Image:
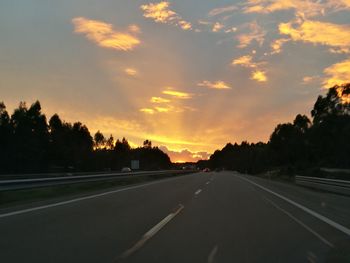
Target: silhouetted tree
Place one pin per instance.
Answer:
(302, 123)
(329, 142)
(5, 139)
(110, 142)
(301, 144)
(29, 144)
(151, 158)
(30, 138)
(99, 140)
(147, 144)
(58, 143)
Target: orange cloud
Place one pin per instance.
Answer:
(161, 13)
(277, 44)
(147, 110)
(177, 94)
(245, 61)
(185, 25)
(134, 28)
(302, 7)
(104, 35)
(185, 155)
(217, 27)
(334, 35)
(338, 74)
(131, 72)
(310, 79)
(256, 33)
(259, 76)
(221, 10)
(159, 100)
(163, 109)
(214, 85)
(231, 30)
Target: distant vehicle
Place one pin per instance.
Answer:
(126, 169)
(206, 170)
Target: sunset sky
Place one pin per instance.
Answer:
(189, 75)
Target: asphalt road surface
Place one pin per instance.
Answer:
(203, 217)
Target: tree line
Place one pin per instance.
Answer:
(31, 144)
(323, 141)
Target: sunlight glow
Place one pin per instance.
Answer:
(131, 71)
(259, 76)
(159, 100)
(147, 110)
(338, 74)
(177, 94)
(104, 35)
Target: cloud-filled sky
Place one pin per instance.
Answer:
(188, 75)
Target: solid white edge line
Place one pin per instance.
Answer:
(305, 209)
(149, 234)
(23, 211)
(319, 236)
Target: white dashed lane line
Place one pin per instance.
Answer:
(154, 230)
(198, 192)
(211, 257)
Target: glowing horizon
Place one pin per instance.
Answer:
(190, 76)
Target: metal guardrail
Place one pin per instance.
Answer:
(18, 184)
(331, 185)
(335, 170)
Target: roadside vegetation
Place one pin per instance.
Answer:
(302, 146)
(31, 144)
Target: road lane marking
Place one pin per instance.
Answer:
(198, 192)
(305, 209)
(151, 233)
(207, 182)
(300, 223)
(23, 211)
(211, 257)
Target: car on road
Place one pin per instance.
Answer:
(206, 170)
(126, 169)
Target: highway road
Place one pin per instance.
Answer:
(202, 217)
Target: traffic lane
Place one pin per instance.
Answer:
(229, 221)
(66, 197)
(328, 228)
(333, 206)
(94, 230)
